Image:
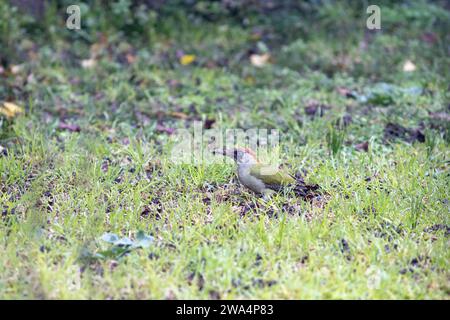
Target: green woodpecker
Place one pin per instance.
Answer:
(261, 178)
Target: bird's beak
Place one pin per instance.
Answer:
(229, 153)
(219, 151)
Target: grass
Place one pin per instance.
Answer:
(378, 230)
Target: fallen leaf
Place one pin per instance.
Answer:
(394, 131)
(314, 108)
(179, 115)
(363, 146)
(130, 58)
(214, 295)
(16, 69)
(259, 60)
(409, 66)
(69, 127)
(162, 128)
(347, 120)
(187, 59)
(105, 165)
(10, 110)
(443, 116)
(344, 122)
(88, 63)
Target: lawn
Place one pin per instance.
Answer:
(94, 207)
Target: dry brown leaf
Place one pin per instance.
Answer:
(130, 58)
(409, 66)
(10, 110)
(443, 116)
(179, 115)
(69, 127)
(162, 128)
(88, 63)
(363, 146)
(15, 69)
(259, 60)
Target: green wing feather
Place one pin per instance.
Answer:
(271, 174)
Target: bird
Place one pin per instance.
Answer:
(260, 178)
